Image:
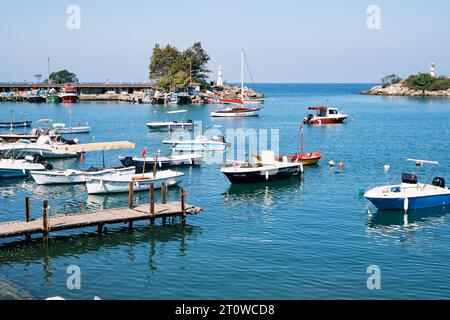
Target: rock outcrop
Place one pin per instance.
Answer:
(400, 89)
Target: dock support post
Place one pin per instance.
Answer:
(100, 228)
(163, 193)
(183, 205)
(164, 221)
(152, 199)
(27, 210)
(45, 217)
(130, 195)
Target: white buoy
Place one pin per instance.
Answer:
(406, 204)
(387, 168)
(331, 163)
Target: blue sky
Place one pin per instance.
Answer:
(285, 40)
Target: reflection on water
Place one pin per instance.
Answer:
(399, 223)
(11, 291)
(131, 240)
(265, 192)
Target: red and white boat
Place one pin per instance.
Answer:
(324, 115)
(69, 95)
(305, 159)
(238, 111)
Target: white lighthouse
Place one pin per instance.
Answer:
(219, 77)
(433, 70)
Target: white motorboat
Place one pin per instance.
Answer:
(78, 176)
(44, 146)
(266, 168)
(141, 182)
(21, 168)
(201, 143)
(60, 128)
(172, 125)
(410, 194)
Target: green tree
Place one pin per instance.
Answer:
(171, 68)
(390, 80)
(62, 76)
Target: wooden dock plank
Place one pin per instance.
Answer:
(81, 220)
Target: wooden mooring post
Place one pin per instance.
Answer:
(163, 193)
(45, 225)
(130, 195)
(27, 210)
(183, 205)
(152, 203)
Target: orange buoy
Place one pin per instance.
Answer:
(341, 165)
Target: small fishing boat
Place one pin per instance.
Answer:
(172, 125)
(21, 168)
(325, 115)
(60, 128)
(161, 162)
(201, 143)
(69, 95)
(410, 194)
(78, 176)
(52, 97)
(16, 124)
(36, 98)
(263, 169)
(236, 112)
(305, 159)
(44, 146)
(141, 182)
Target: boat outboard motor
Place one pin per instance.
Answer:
(37, 158)
(128, 162)
(439, 182)
(309, 118)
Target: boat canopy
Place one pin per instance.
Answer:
(177, 111)
(423, 161)
(92, 147)
(319, 108)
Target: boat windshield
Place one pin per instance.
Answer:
(322, 112)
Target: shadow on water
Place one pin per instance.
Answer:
(388, 221)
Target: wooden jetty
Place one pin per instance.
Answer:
(150, 211)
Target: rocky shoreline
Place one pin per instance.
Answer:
(400, 89)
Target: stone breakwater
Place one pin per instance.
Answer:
(400, 89)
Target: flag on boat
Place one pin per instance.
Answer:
(144, 152)
(82, 158)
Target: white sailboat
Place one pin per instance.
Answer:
(238, 111)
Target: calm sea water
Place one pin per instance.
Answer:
(288, 240)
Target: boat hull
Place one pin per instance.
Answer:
(228, 114)
(99, 186)
(170, 127)
(329, 120)
(263, 176)
(13, 173)
(53, 99)
(16, 124)
(413, 203)
(36, 99)
(306, 159)
(161, 164)
(75, 176)
(69, 99)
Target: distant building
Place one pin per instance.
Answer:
(433, 70)
(219, 77)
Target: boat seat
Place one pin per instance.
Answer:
(409, 178)
(439, 182)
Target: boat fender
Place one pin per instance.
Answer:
(331, 163)
(406, 204)
(160, 164)
(267, 175)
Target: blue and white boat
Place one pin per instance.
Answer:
(15, 168)
(411, 194)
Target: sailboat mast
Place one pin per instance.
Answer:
(242, 76)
